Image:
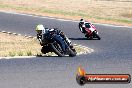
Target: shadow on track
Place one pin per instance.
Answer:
(49, 56)
(82, 39)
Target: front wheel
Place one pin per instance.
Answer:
(96, 35)
(57, 49)
(72, 52)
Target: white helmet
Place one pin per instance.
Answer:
(40, 28)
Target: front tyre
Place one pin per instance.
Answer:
(96, 35)
(72, 52)
(57, 49)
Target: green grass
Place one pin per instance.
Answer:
(12, 54)
(29, 53)
(20, 53)
(85, 15)
(13, 45)
(65, 13)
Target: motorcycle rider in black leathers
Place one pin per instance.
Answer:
(54, 34)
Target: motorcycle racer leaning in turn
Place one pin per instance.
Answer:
(53, 33)
(83, 24)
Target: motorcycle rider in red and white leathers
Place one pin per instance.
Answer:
(81, 25)
(84, 24)
(88, 29)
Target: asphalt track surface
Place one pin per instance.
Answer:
(112, 54)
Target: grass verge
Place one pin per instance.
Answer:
(103, 11)
(16, 45)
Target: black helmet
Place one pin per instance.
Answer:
(81, 19)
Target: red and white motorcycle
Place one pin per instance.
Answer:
(89, 30)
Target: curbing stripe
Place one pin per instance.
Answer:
(3, 31)
(16, 34)
(17, 57)
(19, 34)
(9, 33)
(87, 49)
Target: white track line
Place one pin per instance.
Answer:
(17, 57)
